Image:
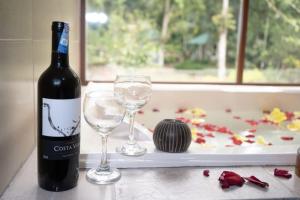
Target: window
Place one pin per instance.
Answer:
(273, 42)
(192, 41)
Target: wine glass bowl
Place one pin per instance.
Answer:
(103, 113)
(133, 92)
(133, 95)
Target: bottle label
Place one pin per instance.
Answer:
(63, 41)
(60, 150)
(61, 117)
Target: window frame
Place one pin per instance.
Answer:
(240, 57)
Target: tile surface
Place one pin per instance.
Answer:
(293, 184)
(189, 183)
(154, 184)
(25, 187)
(16, 19)
(45, 11)
(17, 132)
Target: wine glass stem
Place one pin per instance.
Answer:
(131, 130)
(103, 165)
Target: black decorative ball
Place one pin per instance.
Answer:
(172, 136)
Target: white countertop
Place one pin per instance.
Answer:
(158, 184)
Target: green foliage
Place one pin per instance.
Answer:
(198, 65)
(254, 75)
(273, 34)
(133, 35)
(125, 40)
(224, 22)
(291, 61)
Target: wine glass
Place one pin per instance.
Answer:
(103, 113)
(133, 92)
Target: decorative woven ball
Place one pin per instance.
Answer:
(172, 136)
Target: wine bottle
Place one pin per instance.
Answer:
(58, 117)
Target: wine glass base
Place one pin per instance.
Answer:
(132, 150)
(109, 176)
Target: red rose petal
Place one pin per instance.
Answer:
(228, 110)
(197, 124)
(209, 127)
(236, 141)
(252, 130)
(224, 130)
(289, 116)
(250, 136)
(155, 110)
(237, 117)
(210, 135)
(200, 134)
(206, 172)
(265, 121)
(181, 110)
(141, 112)
(183, 119)
(282, 173)
(229, 178)
(215, 128)
(287, 138)
(200, 140)
(251, 122)
(256, 181)
(250, 141)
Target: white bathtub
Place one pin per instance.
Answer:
(244, 101)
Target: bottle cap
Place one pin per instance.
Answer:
(60, 26)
